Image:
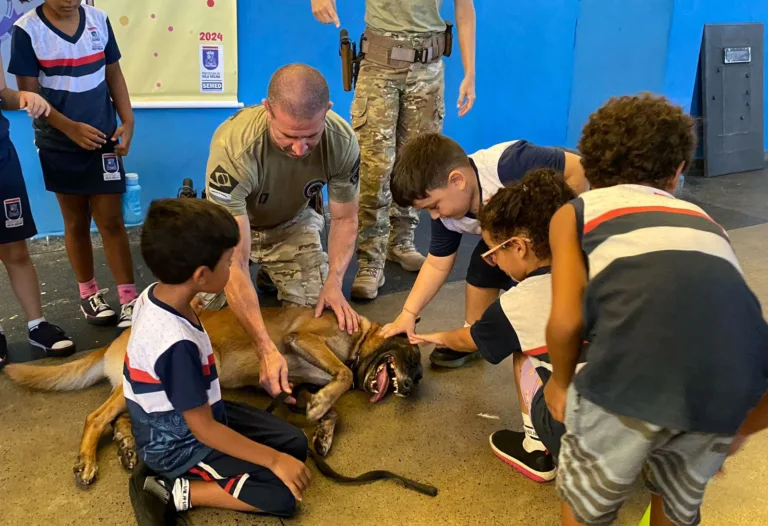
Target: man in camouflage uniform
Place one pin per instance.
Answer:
(399, 94)
(267, 163)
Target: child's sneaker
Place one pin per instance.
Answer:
(52, 340)
(3, 350)
(97, 311)
(152, 502)
(126, 315)
(536, 465)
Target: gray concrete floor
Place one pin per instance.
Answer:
(436, 436)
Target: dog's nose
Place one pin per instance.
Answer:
(407, 384)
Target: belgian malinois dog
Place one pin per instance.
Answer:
(317, 353)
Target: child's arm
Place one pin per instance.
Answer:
(431, 277)
(118, 90)
(457, 340)
(22, 100)
(569, 278)
(213, 434)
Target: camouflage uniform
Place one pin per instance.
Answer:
(247, 174)
(391, 106)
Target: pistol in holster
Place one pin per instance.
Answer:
(448, 39)
(350, 60)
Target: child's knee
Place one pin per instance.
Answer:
(111, 225)
(15, 254)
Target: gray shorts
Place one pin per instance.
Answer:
(603, 457)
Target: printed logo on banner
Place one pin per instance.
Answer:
(111, 167)
(13, 213)
(211, 69)
(96, 43)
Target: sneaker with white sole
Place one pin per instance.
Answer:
(126, 315)
(536, 465)
(52, 339)
(97, 311)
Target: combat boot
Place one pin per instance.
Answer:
(407, 257)
(367, 283)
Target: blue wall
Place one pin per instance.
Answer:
(542, 68)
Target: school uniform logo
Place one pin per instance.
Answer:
(13, 213)
(111, 166)
(221, 184)
(96, 43)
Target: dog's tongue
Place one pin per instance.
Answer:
(382, 381)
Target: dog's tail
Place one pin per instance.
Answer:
(72, 376)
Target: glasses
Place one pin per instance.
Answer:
(490, 255)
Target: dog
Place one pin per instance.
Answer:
(316, 351)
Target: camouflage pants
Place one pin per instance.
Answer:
(292, 254)
(390, 107)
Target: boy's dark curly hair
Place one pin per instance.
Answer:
(526, 208)
(638, 139)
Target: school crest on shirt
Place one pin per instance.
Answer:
(13, 213)
(111, 166)
(96, 42)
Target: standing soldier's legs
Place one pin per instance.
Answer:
(375, 112)
(422, 108)
(292, 255)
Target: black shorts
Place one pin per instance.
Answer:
(550, 431)
(16, 221)
(480, 274)
(83, 172)
(253, 484)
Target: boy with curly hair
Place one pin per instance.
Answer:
(678, 367)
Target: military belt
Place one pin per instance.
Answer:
(388, 51)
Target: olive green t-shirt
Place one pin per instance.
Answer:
(247, 173)
(404, 16)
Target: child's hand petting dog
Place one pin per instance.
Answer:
(435, 337)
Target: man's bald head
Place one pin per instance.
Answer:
(299, 90)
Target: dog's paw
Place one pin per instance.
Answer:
(85, 472)
(317, 407)
(322, 441)
(128, 457)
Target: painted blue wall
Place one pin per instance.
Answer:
(542, 68)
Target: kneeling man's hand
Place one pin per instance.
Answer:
(332, 297)
(273, 373)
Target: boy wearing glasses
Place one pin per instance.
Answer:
(515, 223)
(434, 173)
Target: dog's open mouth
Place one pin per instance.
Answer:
(385, 373)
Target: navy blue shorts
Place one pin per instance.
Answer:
(251, 483)
(16, 221)
(83, 172)
(482, 275)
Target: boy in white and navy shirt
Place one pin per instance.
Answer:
(678, 346)
(515, 223)
(433, 173)
(202, 450)
(68, 53)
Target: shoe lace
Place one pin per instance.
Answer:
(127, 309)
(97, 300)
(371, 272)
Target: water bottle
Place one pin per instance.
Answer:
(132, 212)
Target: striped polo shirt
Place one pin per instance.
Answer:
(677, 338)
(517, 322)
(169, 368)
(71, 70)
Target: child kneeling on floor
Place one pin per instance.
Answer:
(205, 451)
(515, 223)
